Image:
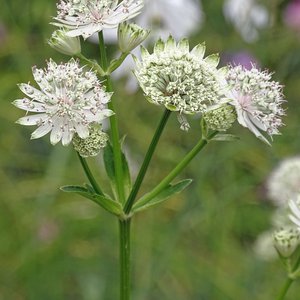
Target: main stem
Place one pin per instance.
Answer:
(185, 161)
(285, 289)
(113, 125)
(125, 288)
(146, 162)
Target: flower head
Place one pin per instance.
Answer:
(221, 118)
(86, 17)
(130, 36)
(63, 43)
(92, 145)
(284, 182)
(257, 100)
(286, 241)
(179, 79)
(69, 100)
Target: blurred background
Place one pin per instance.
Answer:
(200, 245)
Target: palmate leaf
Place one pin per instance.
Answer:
(108, 157)
(165, 194)
(105, 202)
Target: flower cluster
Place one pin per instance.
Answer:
(257, 100)
(86, 17)
(92, 145)
(69, 100)
(179, 79)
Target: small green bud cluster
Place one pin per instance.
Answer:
(64, 44)
(92, 145)
(286, 241)
(220, 119)
(130, 36)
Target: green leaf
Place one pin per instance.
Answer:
(165, 194)
(105, 202)
(108, 157)
(225, 138)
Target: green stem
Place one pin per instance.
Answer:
(124, 227)
(285, 289)
(167, 180)
(89, 175)
(117, 62)
(113, 124)
(92, 64)
(147, 159)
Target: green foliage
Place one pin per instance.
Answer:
(57, 246)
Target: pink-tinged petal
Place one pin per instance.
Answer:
(33, 119)
(295, 209)
(86, 31)
(41, 131)
(29, 105)
(257, 123)
(294, 220)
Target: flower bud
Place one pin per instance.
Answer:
(92, 145)
(130, 36)
(64, 44)
(221, 118)
(286, 241)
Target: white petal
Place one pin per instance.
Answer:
(67, 136)
(56, 133)
(31, 91)
(295, 209)
(29, 105)
(82, 130)
(294, 220)
(33, 119)
(41, 131)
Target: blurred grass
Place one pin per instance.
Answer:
(198, 246)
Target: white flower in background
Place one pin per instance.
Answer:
(69, 100)
(247, 16)
(295, 210)
(179, 79)
(284, 182)
(64, 44)
(257, 100)
(263, 246)
(286, 241)
(86, 17)
(165, 17)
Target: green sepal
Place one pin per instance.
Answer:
(108, 204)
(165, 194)
(108, 157)
(225, 138)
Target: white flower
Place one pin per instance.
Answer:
(179, 79)
(247, 16)
(86, 17)
(284, 182)
(295, 210)
(286, 241)
(257, 100)
(64, 44)
(69, 100)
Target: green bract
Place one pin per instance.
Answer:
(179, 79)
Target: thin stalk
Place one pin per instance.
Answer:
(89, 175)
(124, 228)
(285, 289)
(113, 124)
(146, 162)
(185, 161)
